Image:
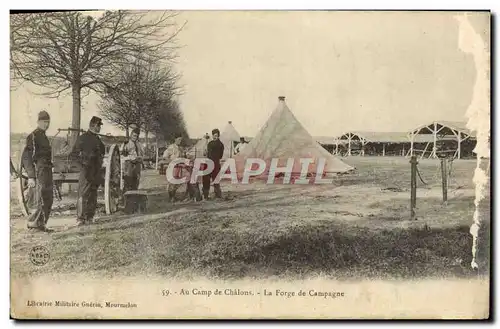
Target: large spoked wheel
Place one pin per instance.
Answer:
(25, 194)
(112, 180)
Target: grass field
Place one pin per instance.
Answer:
(356, 227)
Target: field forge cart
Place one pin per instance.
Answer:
(66, 171)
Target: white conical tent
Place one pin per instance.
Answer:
(229, 137)
(200, 146)
(284, 137)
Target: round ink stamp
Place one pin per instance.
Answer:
(39, 255)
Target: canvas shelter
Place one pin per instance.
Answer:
(328, 142)
(284, 137)
(230, 138)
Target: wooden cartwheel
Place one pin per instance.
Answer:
(112, 179)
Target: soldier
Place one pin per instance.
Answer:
(215, 151)
(240, 146)
(37, 160)
(133, 155)
(205, 144)
(174, 151)
(89, 152)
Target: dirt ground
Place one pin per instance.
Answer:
(358, 226)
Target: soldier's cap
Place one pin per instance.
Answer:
(96, 120)
(43, 115)
(215, 131)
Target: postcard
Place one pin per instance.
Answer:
(250, 164)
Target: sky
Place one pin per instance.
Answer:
(339, 71)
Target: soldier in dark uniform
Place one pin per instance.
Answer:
(132, 155)
(89, 152)
(37, 160)
(215, 151)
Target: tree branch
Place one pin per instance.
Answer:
(61, 49)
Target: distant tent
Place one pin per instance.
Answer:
(229, 137)
(284, 137)
(199, 147)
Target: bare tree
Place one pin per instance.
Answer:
(66, 51)
(17, 41)
(118, 110)
(142, 89)
(170, 122)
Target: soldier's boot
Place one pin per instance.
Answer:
(197, 194)
(218, 192)
(81, 222)
(205, 194)
(171, 196)
(190, 192)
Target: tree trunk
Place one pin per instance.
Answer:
(147, 139)
(157, 154)
(75, 123)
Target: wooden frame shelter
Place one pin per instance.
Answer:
(375, 143)
(442, 135)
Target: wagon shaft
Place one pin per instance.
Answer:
(63, 164)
